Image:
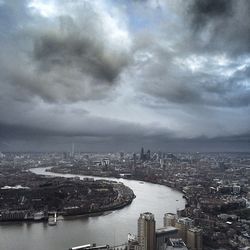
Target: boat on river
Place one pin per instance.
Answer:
(52, 220)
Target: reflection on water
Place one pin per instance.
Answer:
(110, 229)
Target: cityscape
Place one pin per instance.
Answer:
(124, 124)
(215, 187)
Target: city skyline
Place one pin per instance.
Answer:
(117, 75)
(193, 201)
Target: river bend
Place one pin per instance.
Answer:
(106, 229)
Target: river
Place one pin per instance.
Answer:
(105, 229)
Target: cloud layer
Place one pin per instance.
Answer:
(124, 72)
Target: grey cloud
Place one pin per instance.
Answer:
(50, 131)
(57, 86)
(80, 47)
(229, 94)
(56, 128)
(62, 60)
(220, 25)
(53, 70)
(122, 143)
(166, 73)
(199, 89)
(205, 10)
(23, 121)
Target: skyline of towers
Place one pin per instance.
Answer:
(145, 156)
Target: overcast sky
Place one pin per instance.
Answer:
(112, 75)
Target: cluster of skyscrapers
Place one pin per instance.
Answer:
(145, 156)
(178, 233)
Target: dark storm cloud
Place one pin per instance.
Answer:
(75, 46)
(29, 139)
(205, 10)
(100, 128)
(221, 25)
(40, 132)
(23, 120)
(64, 59)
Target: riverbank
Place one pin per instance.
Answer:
(145, 179)
(107, 228)
(38, 196)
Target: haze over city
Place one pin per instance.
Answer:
(116, 75)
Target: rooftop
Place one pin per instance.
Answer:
(165, 230)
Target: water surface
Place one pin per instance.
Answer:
(108, 229)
